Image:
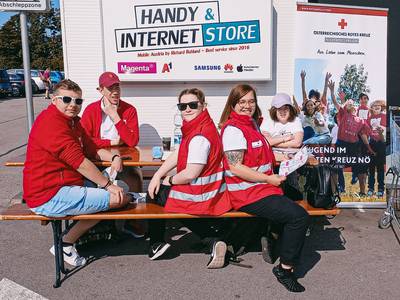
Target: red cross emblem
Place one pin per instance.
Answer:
(342, 24)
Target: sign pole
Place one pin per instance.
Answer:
(27, 68)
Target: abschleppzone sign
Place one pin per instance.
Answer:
(188, 40)
(28, 5)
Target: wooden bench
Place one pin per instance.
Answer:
(20, 212)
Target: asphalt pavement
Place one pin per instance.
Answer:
(347, 257)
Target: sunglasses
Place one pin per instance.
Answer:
(68, 99)
(192, 105)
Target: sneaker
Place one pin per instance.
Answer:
(217, 259)
(268, 248)
(71, 256)
(287, 279)
(158, 249)
(370, 193)
(379, 194)
(134, 228)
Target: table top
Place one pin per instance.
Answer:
(136, 157)
(131, 157)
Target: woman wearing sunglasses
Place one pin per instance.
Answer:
(251, 184)
(198, 186)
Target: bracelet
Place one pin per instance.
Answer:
(116, 155)
(107, 184)
(170, 180)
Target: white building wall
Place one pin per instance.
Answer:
(156, 101)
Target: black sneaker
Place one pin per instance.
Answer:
(158, 249)
(287, 279)
(217, 259)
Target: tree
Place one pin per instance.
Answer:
(353, 82)
(10, 44)
(44, 41)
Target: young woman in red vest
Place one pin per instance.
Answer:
(198, 186)
(252, 187)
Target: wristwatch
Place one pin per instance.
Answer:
(170, 180)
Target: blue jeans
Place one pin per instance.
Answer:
(318, 139)
(75, 200)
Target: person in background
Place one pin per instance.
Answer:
(198, 186)
(47, 82)
(377, 123)
(314, 125)
(57, 162)
(111, 121)
(362, 113)
(283, 129)
(321, 103)
(251, 184)
(351, 130)
(363, 110)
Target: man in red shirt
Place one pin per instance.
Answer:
(57, 162)
(111, 121)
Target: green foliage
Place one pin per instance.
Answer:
(45, 43)
(353, 82)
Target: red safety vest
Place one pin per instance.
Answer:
(258, 156)
(204, 195)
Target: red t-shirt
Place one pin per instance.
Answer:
(363, 112)
(375, 121)
(350, 126)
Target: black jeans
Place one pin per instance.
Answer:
(377, 163)
(291, 216)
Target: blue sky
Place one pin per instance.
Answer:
(5, 16)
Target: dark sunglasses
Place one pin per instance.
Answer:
(68, 99)
(192, 105)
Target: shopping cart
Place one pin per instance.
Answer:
(392, 212)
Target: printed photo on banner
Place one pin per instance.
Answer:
(188, 40)
(340, 89)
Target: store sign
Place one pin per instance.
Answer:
(199, 40)
(24, 5)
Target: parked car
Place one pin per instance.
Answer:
(17, 82)
(5, 86)
(35, 75)
(55, 77)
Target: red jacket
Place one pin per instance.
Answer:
(128, 128)
(204, 195)
(54, 152)
(258, 156)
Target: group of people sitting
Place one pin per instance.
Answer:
(216, 171)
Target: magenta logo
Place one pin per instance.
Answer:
(137, 67)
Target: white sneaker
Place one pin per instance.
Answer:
(71, 256)
(217, 259)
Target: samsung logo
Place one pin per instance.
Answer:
(207, 68)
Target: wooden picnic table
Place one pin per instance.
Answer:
(137, 157)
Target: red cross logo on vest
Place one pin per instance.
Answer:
(342, 24)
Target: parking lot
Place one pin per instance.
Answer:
(347, 257)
